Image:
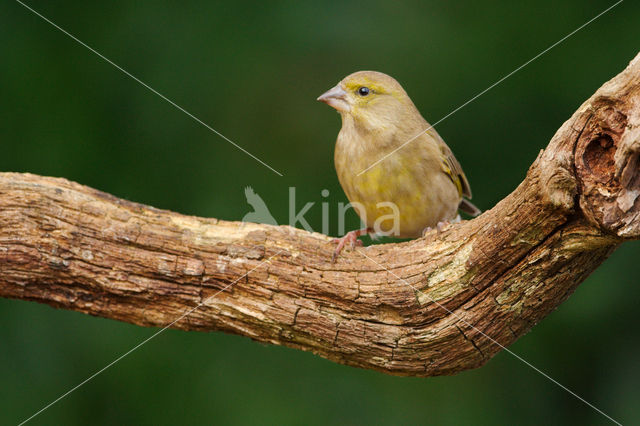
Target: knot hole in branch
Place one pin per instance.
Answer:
(608, 199)
(598, 159)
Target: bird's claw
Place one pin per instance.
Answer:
(350, 238)
(440, 226)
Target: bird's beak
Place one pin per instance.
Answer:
(336, 97)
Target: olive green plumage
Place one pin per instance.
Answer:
(423, 178)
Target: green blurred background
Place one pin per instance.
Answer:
(253, 71)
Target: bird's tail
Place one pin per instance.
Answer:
(468, 207)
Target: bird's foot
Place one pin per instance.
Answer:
(440, 226)
(350, 238)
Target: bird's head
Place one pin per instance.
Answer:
(370, 97)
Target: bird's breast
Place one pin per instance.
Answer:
(408, 183)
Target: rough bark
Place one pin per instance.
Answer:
(437, 305)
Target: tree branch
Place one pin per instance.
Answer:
(437, 305)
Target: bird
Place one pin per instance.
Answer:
(397, 172)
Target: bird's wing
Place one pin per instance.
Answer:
(453, 169)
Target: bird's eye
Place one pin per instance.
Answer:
(363, 91)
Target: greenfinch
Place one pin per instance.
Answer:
(397, 172)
